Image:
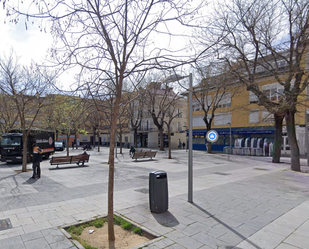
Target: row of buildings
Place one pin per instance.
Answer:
(237, 117)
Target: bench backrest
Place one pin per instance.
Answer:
(83, 157)
(151, 153)
(61, 159)
(139, 154)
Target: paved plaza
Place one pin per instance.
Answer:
(239, 202)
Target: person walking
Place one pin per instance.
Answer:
(36, 160)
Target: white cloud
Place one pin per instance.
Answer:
(29, 44)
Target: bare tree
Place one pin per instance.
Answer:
(27, 87)
(8, 113)
(135, 110)
(160, 99)
(111, 40)
(172, 113)
(267, 40)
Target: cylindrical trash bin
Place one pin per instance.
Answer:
(158, 191)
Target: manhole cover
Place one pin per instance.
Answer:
(222, 174)
(142, 190)
(5, 224)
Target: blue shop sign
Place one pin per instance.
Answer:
(235, 132)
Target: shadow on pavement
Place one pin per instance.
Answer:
(166, 219)
(69, 167)
(228, 227)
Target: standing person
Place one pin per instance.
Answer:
(36, 160)
(72, 144)
(183, 145)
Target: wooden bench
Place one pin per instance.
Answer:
(56, 160)
(144, 154)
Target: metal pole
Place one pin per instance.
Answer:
(306, 136)
(190, 158)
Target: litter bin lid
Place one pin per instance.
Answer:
(158, 172)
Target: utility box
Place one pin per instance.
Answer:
(158, 191)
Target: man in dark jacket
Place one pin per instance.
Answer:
(36, 160)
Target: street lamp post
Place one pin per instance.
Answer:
(190, 156)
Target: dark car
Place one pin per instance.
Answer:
(59, 146)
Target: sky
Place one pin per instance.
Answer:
(32, 44)
(28, 44)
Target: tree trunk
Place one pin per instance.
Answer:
(161, 139)
(135, 137)
(120, 142)
(208, 147)
(290, 127)
(94, 137)
(98, 141)
(25, 152)
(68, 143)
(169, 143)
(278, 138)
(111, 161)
(208, 128)
(75, 139)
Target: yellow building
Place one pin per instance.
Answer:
(240, 119)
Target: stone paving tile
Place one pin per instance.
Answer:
(298, 241)
(279, 229)
(189, 242)
(209, 241)
(40, 243)
(162, 243)
(262, 239)
(31, 236)
(12, 243)
(53, 235)
(286, 246)
(84, 216)
(9, 233)
(36, 226)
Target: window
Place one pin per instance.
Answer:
(273, 91)
(254, 116)
(267, 116)
(196, 105)
(198, 121)
(225, 101)
(253, 98)
(222, 118)
(179, 127)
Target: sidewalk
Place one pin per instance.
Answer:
(239, 202)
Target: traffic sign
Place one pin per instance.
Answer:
(212, 136)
